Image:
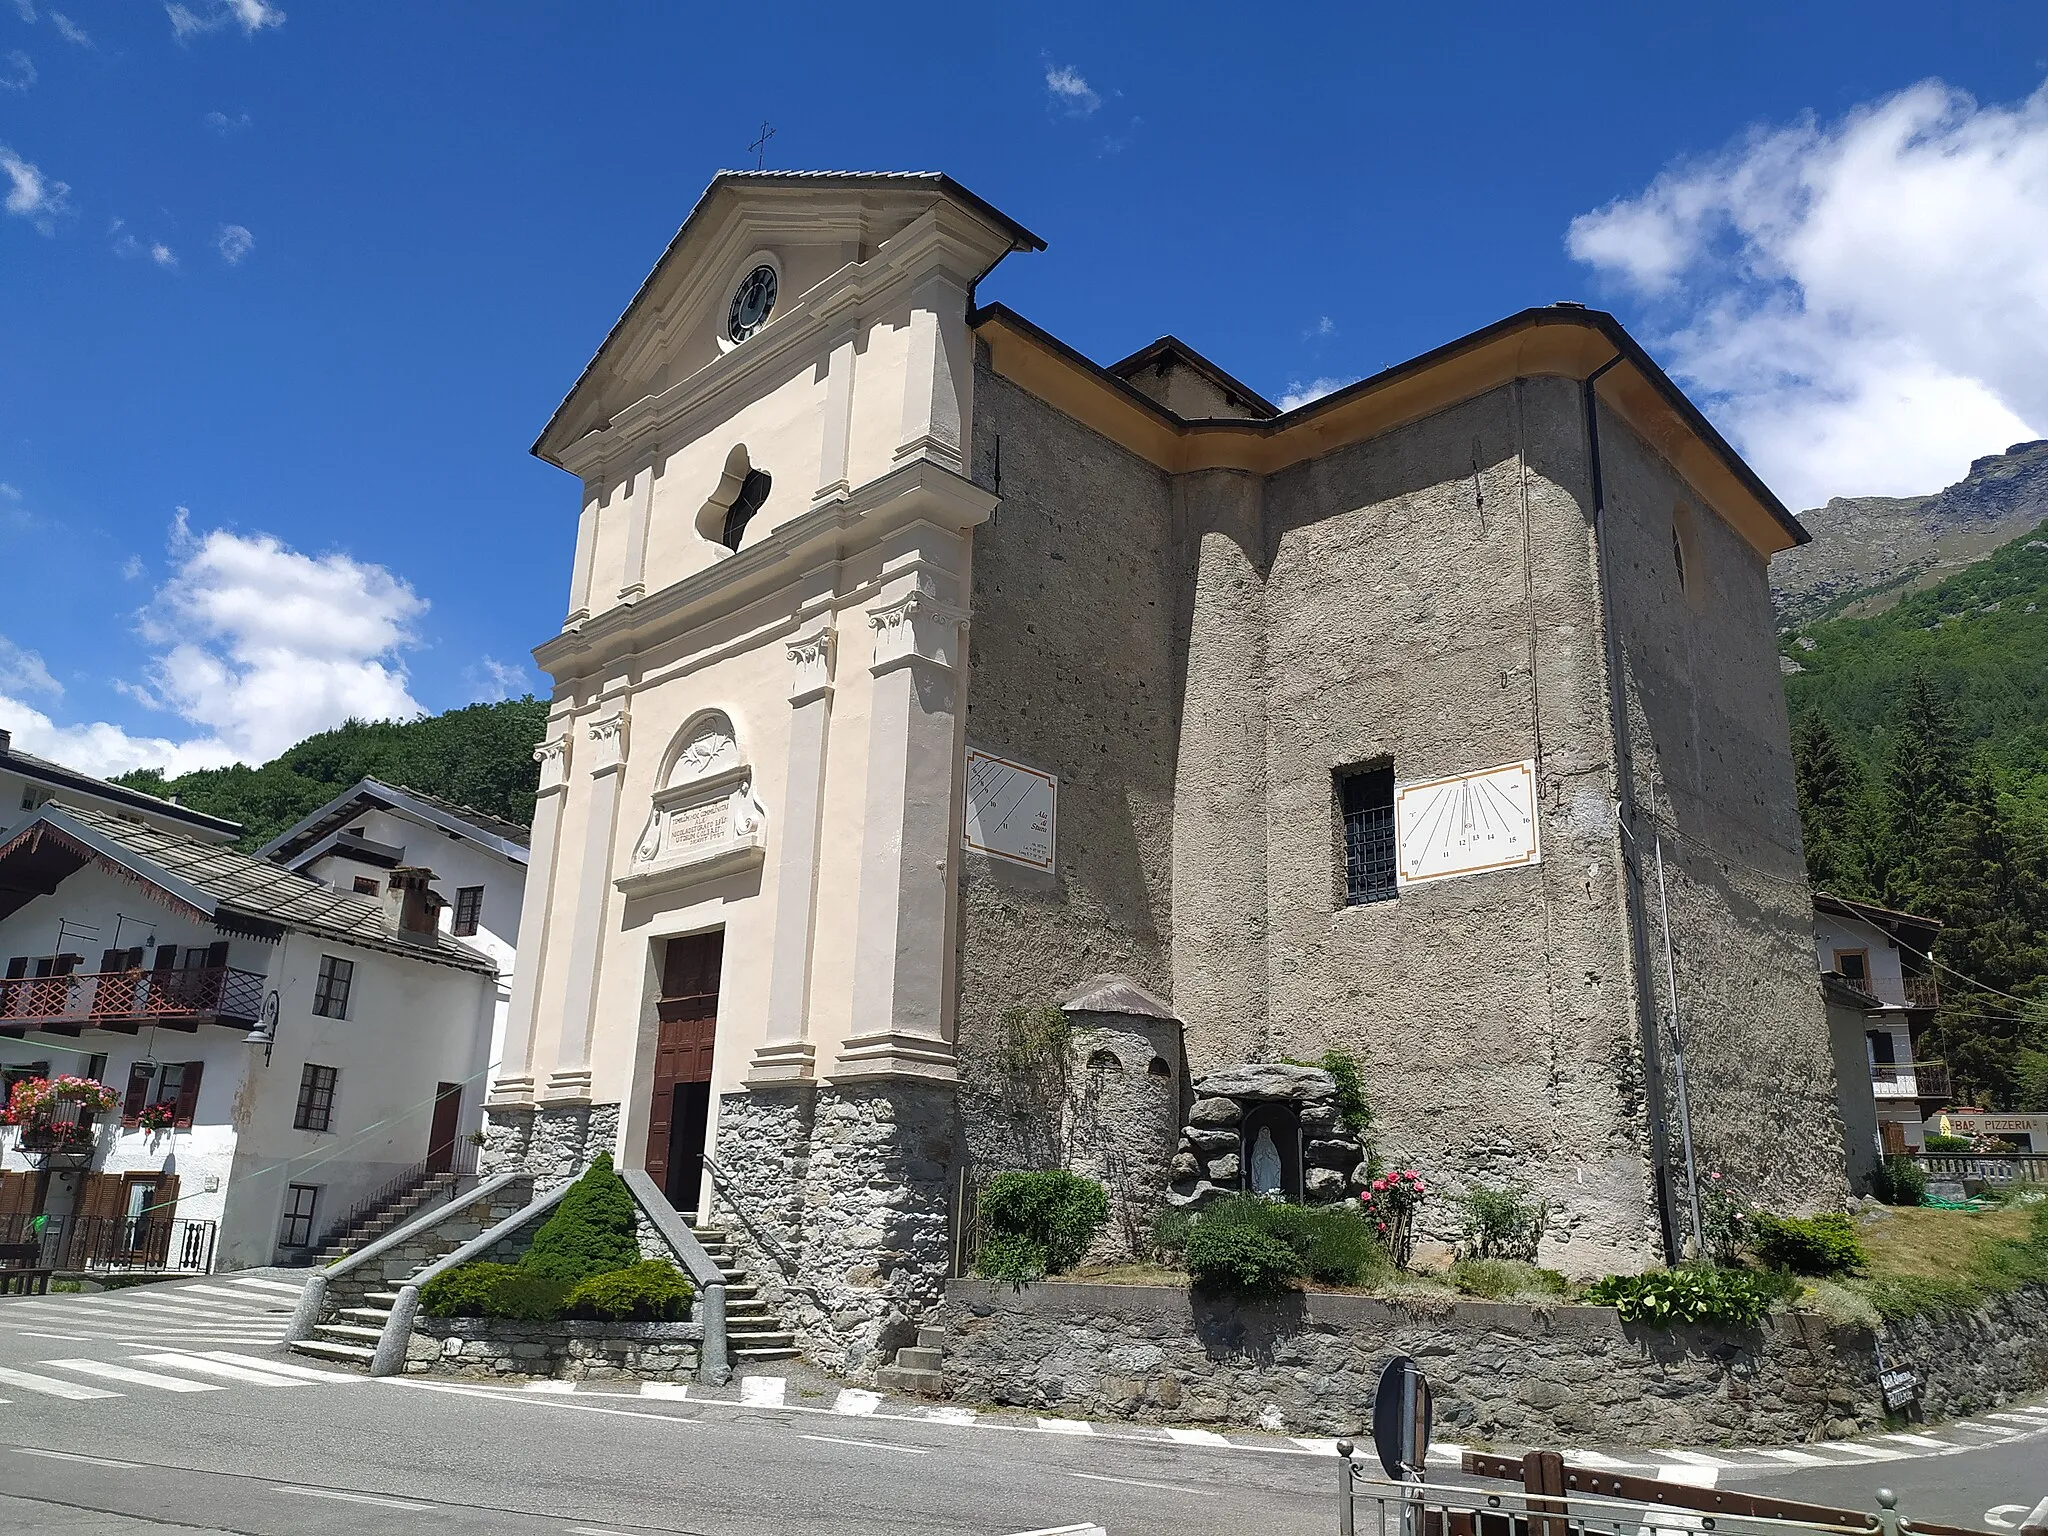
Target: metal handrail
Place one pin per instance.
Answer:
(461, 1165)
(87, 1243)
(218, 991)
(789, 1266)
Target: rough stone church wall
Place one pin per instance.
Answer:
(1711, 750)
(1071, 669)
(843, 1218)
(1519, 1374)
(1431, 604)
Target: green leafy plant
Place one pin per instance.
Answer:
(1503, 1223)
(506, 1291)
(1239, 1261)
(1333, 1244)
(1037, 1224)
(1353, 1109)
(591, 1230)
(1940, 1143)
(651, 1291)
(1665, 1298)
(1823, 1246)
(1899, 1180)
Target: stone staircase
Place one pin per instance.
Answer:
(918, 1367)
(351, 1339)
(387, 1218)
(752, 1332)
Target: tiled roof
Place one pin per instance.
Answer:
(266, 892)
(30, 766)
(503, 837)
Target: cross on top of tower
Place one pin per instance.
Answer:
(760, 145)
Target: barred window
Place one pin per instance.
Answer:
(469, 909)
(316, 1098)
(1366, 798)
(330, 992)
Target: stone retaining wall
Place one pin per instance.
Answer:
(462, 1220)
(1528, 1375)
(569, 1351)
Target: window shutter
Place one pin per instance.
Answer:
(66, 964)
(167, 957)
(17, 1196)
(188, 1094)
(17, 968)
(138, 1095)
(217, 954)
(111, 960)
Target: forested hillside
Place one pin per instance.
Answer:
(1921, 738)
(481, 756)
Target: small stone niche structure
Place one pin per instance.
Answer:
(1266, 1128)
(1123, 1103)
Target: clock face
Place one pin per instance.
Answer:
(1466, 825)
(751, 303)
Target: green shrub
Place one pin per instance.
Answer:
(1352, 1106)
(651, 1291)
(1505, 1279)
(1036, 1224)
(1898, 1180)
(1940, 1143)
(1823, 1246)
(590, 1232)
(1239, 1261)
(1170, 1228)
(1503, 1223)
(1664, 1298)
(494, 1290)
(1333, 1244)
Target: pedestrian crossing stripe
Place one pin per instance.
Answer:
(51, 1386)
(133, 1377)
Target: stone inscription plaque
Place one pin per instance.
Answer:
(1011, 810)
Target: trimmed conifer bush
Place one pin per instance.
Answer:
(494, 1290)
(590, 1232)
(651, 1291)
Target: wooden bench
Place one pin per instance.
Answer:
(19, 1273)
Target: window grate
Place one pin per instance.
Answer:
(1367, 798)
(316, 1098)
(469, 910)
(330, 991)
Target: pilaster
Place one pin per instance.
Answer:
(604, 749)
(834, 482)
(787, 1052)
(639, 509)
(904, 927)
(515, 1083)
(586, 551)
(939, 397)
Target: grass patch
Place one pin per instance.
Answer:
(1507, 1280)
(1931, 1262)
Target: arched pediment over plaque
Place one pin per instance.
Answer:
(704, 820)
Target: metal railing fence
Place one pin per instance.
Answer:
(461, 1161)
(204, 991)
(83, 1244)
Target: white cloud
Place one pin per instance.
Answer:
(1862, 304)
(70, 30)
(493, 681)
(224, 125)
(32, 196)
(257, 646)
(251, 15)
(9, 492)
(162, 254)
(17, 71)
(233, 242)
(1324, 327)
(22, 671)
(26, 9)
(131, 568)
(1069, 92)
(1300, 394)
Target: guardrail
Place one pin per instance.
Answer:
(461, 1165)
(84, 1244)
(84, 997)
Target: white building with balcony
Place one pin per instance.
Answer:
(1878, 976)
(282, 1053)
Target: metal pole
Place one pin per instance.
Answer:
(1692, 1173)
(1345, 1527)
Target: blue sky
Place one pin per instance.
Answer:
(316, 274)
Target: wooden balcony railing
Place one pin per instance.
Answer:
(1921, 992)
(126, 1000)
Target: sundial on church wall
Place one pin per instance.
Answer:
(1466, 824)
(1011, 809)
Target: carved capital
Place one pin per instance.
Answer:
(553, 757)
(813, 656)
(607, 738)
(919, 626)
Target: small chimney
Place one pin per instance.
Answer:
(6, 740)
(410, 906)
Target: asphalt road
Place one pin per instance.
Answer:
(158, 1412)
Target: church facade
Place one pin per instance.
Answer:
(919, 674)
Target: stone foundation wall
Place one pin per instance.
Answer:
(550, 1141)
(567, 1351)
(461, 1221)
(847, 1192)
(1516, 1374)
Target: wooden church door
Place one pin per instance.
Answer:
(680, 1114)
